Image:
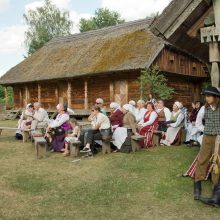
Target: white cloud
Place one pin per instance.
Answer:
(13, 38)
(135, 9)
(4, 5)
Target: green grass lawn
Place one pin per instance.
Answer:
(144, 185)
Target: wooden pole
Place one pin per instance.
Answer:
(26, 96)
(69, 89)
(86, 94)
(111, 88)
(39, 92)
(20, 99)
(57, 95)
(6, 96)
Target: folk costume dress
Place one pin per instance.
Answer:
(149, 125)
(60, 126)
(174, 129)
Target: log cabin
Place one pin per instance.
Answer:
(103, 63)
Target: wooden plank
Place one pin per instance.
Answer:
(69, 89)
(39, 92)
(86, 94)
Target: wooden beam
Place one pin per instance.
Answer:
(69, 89)
(39, 93)
(21, 98)
(111, 89)
(26, 95)
(6, 96)
(86, 94)
(57, 95)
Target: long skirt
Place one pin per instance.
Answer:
(148, 132)
(58, 143)
(192, 169)
(192, 133)
(171, 136)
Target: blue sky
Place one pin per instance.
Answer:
(12, 28)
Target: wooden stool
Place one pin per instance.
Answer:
(40, 146)
(74, 148)
(156, 137)
(106, 146)
(135, 142)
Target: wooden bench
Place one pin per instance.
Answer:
(135, 142)
(157, 137)
(40, 144)
(25, 132)
(74, 148)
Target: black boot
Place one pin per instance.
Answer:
(197, 190)
(215, 199)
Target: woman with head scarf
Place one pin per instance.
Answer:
(148, 125)
(175, 125)
(122, 135)
(116, 116)
(25, 120)
(58, 128)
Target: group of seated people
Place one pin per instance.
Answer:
(139, 119)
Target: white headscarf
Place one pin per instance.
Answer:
(28, 105)
(132, 102)
(178, 104)
(114, 105)
(128, 107)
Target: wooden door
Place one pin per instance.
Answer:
(121, 92)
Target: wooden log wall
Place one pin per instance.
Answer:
(82, 92)
(177, 62)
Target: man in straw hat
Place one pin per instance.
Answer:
(209, 151)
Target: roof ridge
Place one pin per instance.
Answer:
(101, 31)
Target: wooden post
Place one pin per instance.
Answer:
(26, 95)
(69, 89)
(111, 88)
(39, 92)
(57, 95)
(86, 94)
(20, 98)
(6, 96)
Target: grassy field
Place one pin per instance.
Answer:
(144, 185)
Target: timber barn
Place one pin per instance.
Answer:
(103, 63)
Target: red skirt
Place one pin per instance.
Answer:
(148, 132)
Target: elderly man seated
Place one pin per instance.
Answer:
(40, 118)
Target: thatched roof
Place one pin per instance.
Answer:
(128, 46)
(175, 22)
(124, 47)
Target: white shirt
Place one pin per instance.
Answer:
(41, 115)
(179, 120)
(60, 119)
(167, 113)
(103, 121)
(199, 119)
(139, 114)
(153, 117)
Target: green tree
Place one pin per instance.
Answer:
(45, 23)
(103, 18)
(152, 81)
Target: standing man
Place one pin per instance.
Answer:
(209, 151)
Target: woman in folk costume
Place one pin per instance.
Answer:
(200, 122)
(193, 133)
(122, 135)
(116, 117)
(174, 125)
(148, 125)
(25, 120)
(209, 151)
(58, 128)
(163, 115)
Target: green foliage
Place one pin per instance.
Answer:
(103, 18)
(10, 95)
(45, 23)
(152, 81)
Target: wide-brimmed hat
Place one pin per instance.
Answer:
(211, 91)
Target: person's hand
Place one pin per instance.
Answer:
(193, 105)
(136, 133)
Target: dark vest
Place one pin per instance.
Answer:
(212, 122)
